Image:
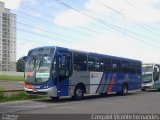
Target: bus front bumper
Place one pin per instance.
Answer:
(51, 92)
(147, 85)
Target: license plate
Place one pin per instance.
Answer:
(34, 90)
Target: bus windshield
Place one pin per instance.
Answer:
(37, 69)
(147, 78)
(147, 69)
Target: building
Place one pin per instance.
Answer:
(7, 39)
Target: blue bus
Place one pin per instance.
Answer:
(57, 71)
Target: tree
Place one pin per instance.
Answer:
(21, 64)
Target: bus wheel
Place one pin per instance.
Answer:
(104, 94)
(143, 89)
(54, 98)
(78, 93)
(124, 90)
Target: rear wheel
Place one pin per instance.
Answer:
(103, 94)
(124, 90)
(78, 93)
(54, 98)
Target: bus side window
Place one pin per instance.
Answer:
(116, 66)
(138, 68)
(126, 67)
(80, 62)
(65, 68)
(54, 69)
(93, 63)
(132, 67)
(106, 65)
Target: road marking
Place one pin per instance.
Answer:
(64, 107)
(25, 106)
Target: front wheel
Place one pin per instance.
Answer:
(143, 89)
(78, 93)
(54, 98)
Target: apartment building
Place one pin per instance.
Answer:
(7, 39)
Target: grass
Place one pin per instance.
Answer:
(2, 95)
(16, 97)
(13, 78)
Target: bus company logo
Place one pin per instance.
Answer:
(94, 75)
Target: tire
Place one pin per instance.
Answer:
(54, 98)
(78, 93)
(103, 94)
(124, 90)
(143, 89)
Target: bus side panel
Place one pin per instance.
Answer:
(105, 82)
(134, 82)
(119, 79)
(156, 85)
(111, 83)
(97, 80)
(63, 87)
(79, 77)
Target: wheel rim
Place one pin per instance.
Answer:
(79, 92)
(124, 89)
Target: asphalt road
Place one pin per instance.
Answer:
(134, 102)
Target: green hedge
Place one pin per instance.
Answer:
(14, 78)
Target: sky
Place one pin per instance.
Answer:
(124, 28)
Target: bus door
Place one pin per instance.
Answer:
(63, 73)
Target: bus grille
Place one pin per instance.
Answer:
(36, 93)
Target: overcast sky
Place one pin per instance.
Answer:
(125, 28)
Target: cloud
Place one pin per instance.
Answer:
(118, 45)
(38, 30)
(52, 4)
(35, 14)
(23, 48)
(33, 2)
(136, 11)
(71, 18)
(12, 4)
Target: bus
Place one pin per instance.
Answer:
(150, 76)
(56, 71)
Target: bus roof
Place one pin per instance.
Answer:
(84, 52)
(149, 64)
